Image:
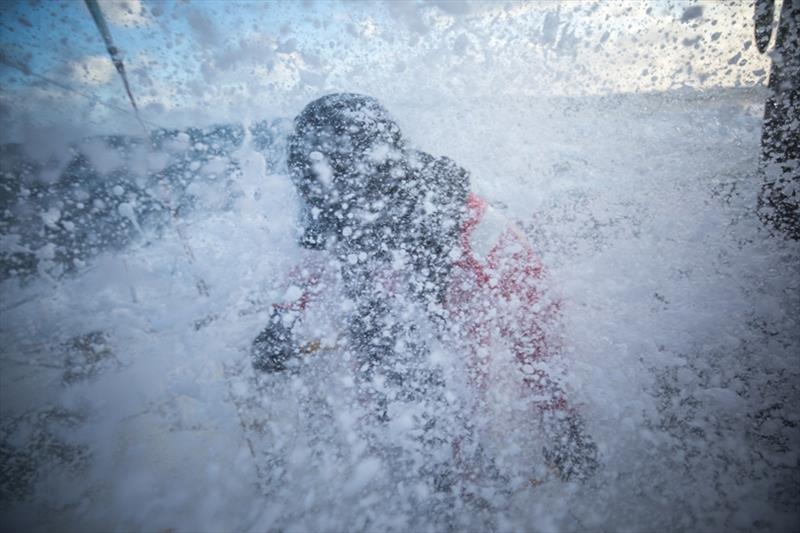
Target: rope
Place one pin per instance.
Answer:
(113, 51)
(116, 58)
(16, 65)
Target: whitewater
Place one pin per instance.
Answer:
(128, 401)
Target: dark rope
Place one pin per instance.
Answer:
(113, 51)
(116, 58)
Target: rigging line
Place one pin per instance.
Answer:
(113, 51)
(116, 58)
(11, 63)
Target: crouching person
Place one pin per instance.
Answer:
(407, 239)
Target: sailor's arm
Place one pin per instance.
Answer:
(276, 347)
(531, 326)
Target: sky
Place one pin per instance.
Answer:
(224, 60)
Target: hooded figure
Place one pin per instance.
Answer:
(365, 192)
(369, 198)
(412, 242)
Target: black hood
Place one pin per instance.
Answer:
(341, 158)
(367, 195)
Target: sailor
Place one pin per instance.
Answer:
(402, 226)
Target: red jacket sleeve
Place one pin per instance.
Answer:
(530, 319)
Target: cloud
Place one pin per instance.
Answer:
(203, 27)
(92, 70)
(127, 13)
